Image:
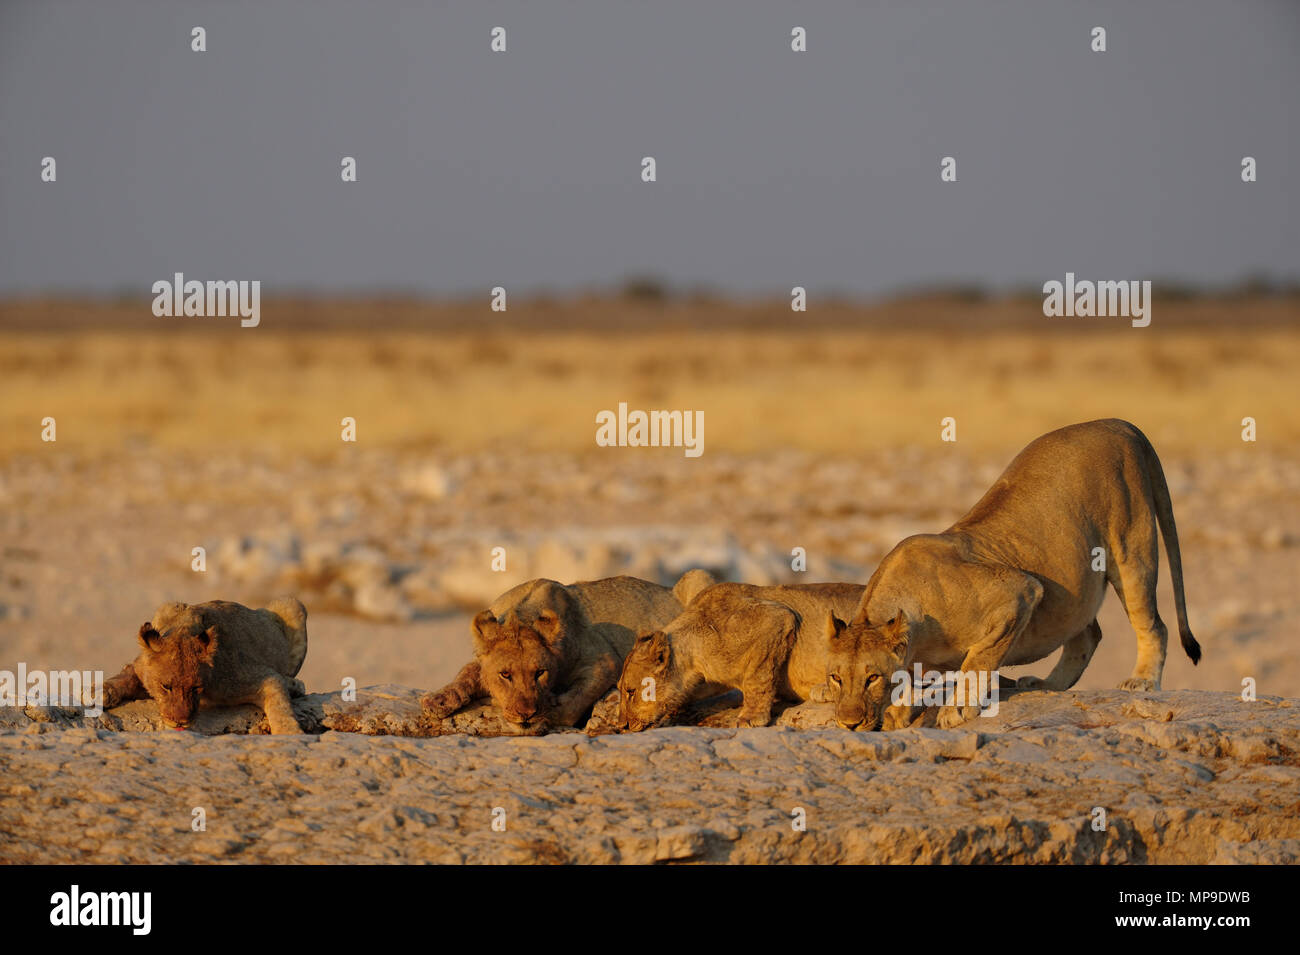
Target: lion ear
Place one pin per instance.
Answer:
(484, 629)
(834, 625)
(149, 638)
(208, 639)
(548, 625)
(898, 629)
(660, 648)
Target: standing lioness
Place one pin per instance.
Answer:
(1022, 574)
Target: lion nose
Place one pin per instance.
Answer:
(845, 724)
(526, 715)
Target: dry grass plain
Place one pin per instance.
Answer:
(843, 379)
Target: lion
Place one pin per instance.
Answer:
(219, 652)
(765, 641)
(545, 652)
(1021, 575)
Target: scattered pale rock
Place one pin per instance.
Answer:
(1186, 777)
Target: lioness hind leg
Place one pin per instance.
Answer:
(279, 711)
(1134, 581)
(1075, 657)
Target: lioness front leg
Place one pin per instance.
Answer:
(121, 688)
(587, 684)
(1010, 618)
(275, 702)
(457, 694)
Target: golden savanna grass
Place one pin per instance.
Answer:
(457, 378)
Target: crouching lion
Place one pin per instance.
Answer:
(767, 642)
(1022, 574)
(220, 652)
(545, 651)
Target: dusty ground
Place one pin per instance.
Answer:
(1110, 777)
(823, 436)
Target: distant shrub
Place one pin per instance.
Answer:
(644, 288)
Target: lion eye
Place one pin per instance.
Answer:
(539, 674)
(167, 687)
(874, 678)
(505, 675)
(835, 678)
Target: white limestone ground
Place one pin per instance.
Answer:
(1186, 776)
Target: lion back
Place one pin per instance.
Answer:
(292, 616)
(620, 608)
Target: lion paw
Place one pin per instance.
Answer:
(598, 726)
(896, 718)
(1030, 683)
(951, 717)
(286, 727)
(1136, 683)
(112, 698)
(443, 703)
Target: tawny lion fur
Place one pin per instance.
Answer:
(220, 652)
(768, 642)
(545, 651)
(1019, 576)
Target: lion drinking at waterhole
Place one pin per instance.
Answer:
(1021, 575)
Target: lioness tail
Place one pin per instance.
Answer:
(1165, 516)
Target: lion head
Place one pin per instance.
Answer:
(519, 664)
(650, 687)
(861, 665)
(175, 665)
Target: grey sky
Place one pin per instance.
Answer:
(522, 169)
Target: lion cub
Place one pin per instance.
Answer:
(768, 642)
(220, 651)
(546, 651)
